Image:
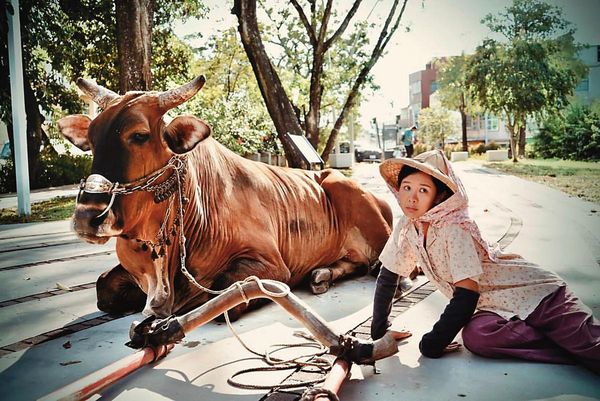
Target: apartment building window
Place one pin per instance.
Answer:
(472, 123)
(415, 88)
(434, 86)
(491, 123)
(583, 86)
(598, 54)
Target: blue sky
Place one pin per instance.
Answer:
(437, 28)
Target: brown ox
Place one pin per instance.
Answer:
(240, 218)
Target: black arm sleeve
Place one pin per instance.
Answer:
(457, 314)
(387, 282)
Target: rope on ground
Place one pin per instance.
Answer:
(312, 361)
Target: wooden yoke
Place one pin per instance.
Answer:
(155, 337)
(351, 348)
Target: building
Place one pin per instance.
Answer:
(588, 89)
(404, 119)
(421, 85)
(481, 128)
(486, 128)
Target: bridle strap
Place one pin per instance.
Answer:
(98, 184)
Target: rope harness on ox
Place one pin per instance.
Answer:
(98, 184)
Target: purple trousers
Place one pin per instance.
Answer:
(559, 330)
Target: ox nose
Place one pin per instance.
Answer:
(89, 216)
(91, 211)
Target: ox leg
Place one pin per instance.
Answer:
(369, 222)
(241, 269)
(322, 278)
(118, 293)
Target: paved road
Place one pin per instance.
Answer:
(47, 297)
(38, 195)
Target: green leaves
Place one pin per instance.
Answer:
(528, 20)
(230, 101)
(533, 72)
(435, 126)
(573, 134)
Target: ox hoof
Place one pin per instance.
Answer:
(320, 281)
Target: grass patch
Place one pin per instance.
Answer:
(576, 178)
(58, 208)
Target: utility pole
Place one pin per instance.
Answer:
(377, 132)
(19, 117)
(351, 133)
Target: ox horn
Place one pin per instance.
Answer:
(99, 94)
(174, 97)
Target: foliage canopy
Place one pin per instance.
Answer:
(531, 73)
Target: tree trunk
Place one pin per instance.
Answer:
(316, 92)
(347, 106)
(522, 141)
(463, 120)
(512, 143)
(276, 100)
(134, 43)
(34, 133)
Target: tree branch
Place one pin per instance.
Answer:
(343, 25)
(382, 42)
(324, 23)
(309, 29)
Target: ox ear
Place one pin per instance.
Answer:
(75, 129)
(185, 132)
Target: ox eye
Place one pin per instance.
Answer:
(139, 138)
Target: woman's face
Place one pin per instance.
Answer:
(417, 194)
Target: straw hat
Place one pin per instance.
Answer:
(432, 163)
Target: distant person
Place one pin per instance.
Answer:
(505, 305)
(408, 140)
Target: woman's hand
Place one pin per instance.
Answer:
(452, 347)
(400, 335)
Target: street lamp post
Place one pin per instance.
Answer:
(19, 118)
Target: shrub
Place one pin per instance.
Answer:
(55, 170)
(573, 134)
(479, 149)
(448, 149)
(492, 146)
(482, 148)
(7, 177)
(421, 147)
